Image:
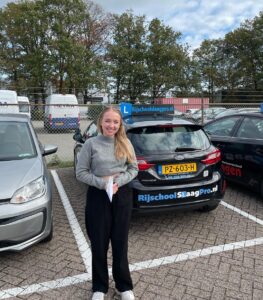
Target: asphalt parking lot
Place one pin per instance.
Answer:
(193, 255)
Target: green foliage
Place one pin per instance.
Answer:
(54, 42)
(235, 62)
(167, 61)
(127, 56)
(147, 59)
(74, 46)
(56, 162)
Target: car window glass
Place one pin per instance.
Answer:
(92, 130)
(251, 128)
(23, 107)
(167, 139)
(16, 141)
(222, 127)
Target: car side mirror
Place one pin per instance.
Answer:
(78, 136)
(49, 149)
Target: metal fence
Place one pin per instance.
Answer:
(54, 127)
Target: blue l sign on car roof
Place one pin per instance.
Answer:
(127, 109)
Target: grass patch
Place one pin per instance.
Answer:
(56, 162)
(62, 164)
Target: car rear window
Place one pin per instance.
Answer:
(168, 138)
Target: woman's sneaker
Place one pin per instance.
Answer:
(127, 295)
(98, 296)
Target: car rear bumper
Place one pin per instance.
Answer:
(62, 123)
(211, 202)
(179, 197)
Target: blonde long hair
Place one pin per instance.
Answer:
(121, 143)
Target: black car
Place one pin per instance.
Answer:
(240, 139)
(179, 168)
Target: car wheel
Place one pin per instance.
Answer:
(49, 237)
(208, 208)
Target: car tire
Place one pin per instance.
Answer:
(208, 208)
(49, 237)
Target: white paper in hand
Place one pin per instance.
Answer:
(109, 188)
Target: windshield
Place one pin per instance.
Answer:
(16, 141)
(154, 139)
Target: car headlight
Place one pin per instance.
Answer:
(31, 191)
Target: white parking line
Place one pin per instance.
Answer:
(153, 263)
(83, 246)
(45, 286)
(86, 253)
(194, 254)
(242, 213)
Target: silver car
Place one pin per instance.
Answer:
(25, 189)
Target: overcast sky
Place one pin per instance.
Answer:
(195, 19)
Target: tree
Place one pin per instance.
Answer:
(23, 44)
(208, 58)
(126, 56)
(166, 59)
(234, 62)
(92, 73)
(57, 41)
(245, 45)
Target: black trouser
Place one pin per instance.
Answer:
(109, 221)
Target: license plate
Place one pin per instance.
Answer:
(178, 168)
(59, 123)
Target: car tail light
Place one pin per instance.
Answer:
(212, 158)
(50, 119)
(143, 164)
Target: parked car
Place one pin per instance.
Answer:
(8, 102)
(25, 190)
(190, 111)
(61, 112)
(208, 114)
(24, 105)
(178, 166)
(240, 139)
(178, 113)
(236, 110)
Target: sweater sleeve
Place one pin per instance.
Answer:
(130, 173)
(83, 169)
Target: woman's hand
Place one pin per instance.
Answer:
(115, 188)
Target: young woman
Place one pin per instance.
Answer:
(109, 154)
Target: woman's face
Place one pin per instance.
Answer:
(110, 123)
